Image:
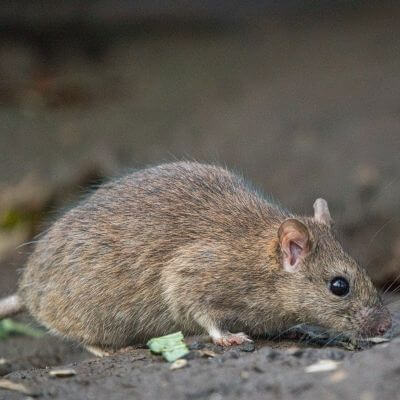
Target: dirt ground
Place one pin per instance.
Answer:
(234, 374)
(305, 106)
(266, 370)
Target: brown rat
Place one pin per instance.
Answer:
(191, 247)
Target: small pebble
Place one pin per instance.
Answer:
(338, 376)
(292, 350)
(258, 369)
(233, 354)
(322, 366)
(248, 347)
(273, 355)
(62, 373)
(178, 364)
(196, 346)
(296, 352)
(244, 375)
(207, 353)
(18, 387)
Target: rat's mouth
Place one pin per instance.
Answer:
(323, 335)
(374, 322)
(350, 340)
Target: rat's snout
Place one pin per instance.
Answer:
(383, 327)
(378, 322)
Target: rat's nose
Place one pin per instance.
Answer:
(383, 327)
(382, 322)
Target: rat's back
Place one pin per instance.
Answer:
(96, 275)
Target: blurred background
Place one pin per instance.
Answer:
(302, 97)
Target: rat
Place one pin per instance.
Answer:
(192, 247)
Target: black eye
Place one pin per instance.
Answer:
(339, 286)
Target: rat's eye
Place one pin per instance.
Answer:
(339, 286)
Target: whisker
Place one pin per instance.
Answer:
(394, 281)
(26, 244)
(396, 289)
(382, 192)
(380, 230)
(332, 340)
(277, 336)
(391, 306)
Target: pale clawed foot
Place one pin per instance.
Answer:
(230, 339)
(222, 338)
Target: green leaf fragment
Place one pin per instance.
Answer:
(170, 346)
(176, 353)
(9, 327)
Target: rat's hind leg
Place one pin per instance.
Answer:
(218, 336)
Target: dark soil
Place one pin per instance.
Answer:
(271, 370)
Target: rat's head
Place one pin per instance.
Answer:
(327, 287)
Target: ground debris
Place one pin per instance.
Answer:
(322, 366)
(320, 337)
(338, 376)
(18, 387)
(178, 364)
(245, 375)
(248, 347)
(196, 345)
(170, 346)
(62, 373)
(207, 353)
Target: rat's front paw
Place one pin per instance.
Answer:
(230, 339)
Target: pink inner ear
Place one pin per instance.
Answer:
(295, 251)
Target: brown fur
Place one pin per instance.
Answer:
(184, 246)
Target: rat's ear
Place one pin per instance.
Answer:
(321, 212)
(294, 240)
